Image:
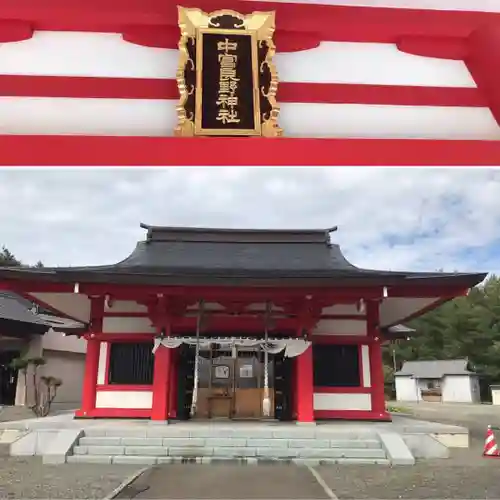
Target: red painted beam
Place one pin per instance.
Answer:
(362, 24)
(342, 390)
(351, 415)
(25, 150)
(339, 295)
(483, 61)
(321, 93)
(115, 413)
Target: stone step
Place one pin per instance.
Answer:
(230, 451)
(236, 442)
(149, 460)
(214, 431)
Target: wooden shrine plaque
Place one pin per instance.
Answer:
(227, 85)
(226, 78)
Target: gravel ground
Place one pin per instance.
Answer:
(28, 478)
(465, 475)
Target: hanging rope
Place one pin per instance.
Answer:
(194, 402)
(266, 401)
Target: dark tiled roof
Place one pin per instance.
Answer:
(201, 256)
(435, 368)
(16, 308)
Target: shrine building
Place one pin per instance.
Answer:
(235, 324)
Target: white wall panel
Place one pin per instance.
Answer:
(108, 55)
(75, 305)
(103, 361)
(127, 325)
(124, 399)
(370, 63)
(35, 115)
(381, 121)
(57, 341)
(324, 401)
(136, 117)
(85, 54)
(125, 306)
(457, 389)
(365, 359)
(340, 327)
(407, 389)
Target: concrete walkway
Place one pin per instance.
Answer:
(462, 476)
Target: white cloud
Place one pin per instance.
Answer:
(397, 218)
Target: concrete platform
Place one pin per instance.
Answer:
(399, 442)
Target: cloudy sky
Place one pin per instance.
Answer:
(399, 219)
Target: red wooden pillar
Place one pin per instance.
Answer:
(161, 381)
(172, 405)
(376, 364)
(90, 378)
(92, 358)
(304, 386)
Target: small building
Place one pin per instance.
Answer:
(447, 381)
(30, 331)
(235, 323)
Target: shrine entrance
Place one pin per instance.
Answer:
(231, 384)
(235, 378)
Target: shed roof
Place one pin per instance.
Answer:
(16, 308)
(435, 368)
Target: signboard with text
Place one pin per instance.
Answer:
(227, 80)
(227, 93)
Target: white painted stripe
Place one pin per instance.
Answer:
(158, 118)
(460, 5)
(108, 55)
(365, 358)
(328, 492)
(127, 482)
(492, 450)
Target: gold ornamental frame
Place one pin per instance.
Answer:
(261, 25)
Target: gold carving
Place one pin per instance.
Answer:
(228, 82)
(193, 23)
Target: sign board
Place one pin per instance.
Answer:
(226, 78)
(246, 371)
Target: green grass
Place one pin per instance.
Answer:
(398, 409)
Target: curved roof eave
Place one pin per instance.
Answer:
(188, 276)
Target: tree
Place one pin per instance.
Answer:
(8, 259)
(467, 327)
(44, 387)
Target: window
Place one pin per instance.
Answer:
(131, 363)
(336, 365)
